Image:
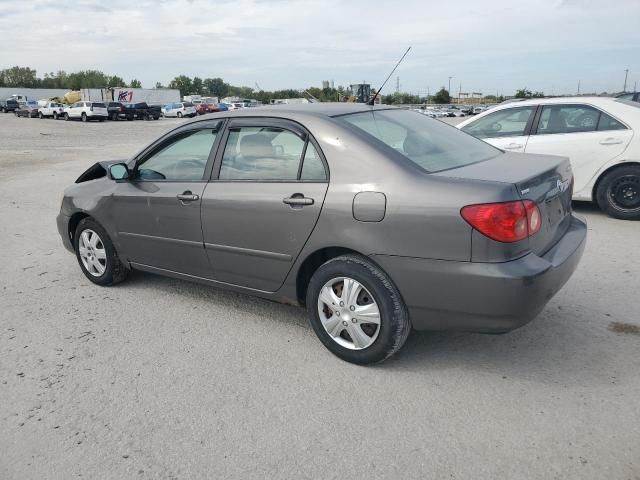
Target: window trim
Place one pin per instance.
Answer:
(168, 139)
(274, 122)
(534, 131)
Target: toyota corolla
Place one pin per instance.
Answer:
(376, 219)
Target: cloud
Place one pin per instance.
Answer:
(485, 46)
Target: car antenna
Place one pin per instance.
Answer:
(371, 102)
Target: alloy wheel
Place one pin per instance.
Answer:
(349, 313)
(92, 253)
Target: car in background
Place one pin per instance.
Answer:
(115, 110)
(86, 111)
(600, 136)
(632, 96)
(179, 109)
(50, 109)
(202, 108)
(28, 109)
(419, 217)
(9, 105)
(142, 111)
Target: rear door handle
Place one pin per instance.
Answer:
(610, 141)
(513, 146)
(297, 200)
(187, 197)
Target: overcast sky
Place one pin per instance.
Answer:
(489, 46)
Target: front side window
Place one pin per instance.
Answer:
(261, 153)
(511, 122)
(183, 158)
(430, 144)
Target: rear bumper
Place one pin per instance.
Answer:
(484, 297)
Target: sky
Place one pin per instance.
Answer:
(487, 46)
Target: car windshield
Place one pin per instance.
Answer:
(432, 145)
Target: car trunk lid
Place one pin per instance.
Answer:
(543, 179)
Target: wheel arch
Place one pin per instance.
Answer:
(602, 174)
(73, 224)
(313, 261)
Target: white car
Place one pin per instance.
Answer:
(596, 133)
(86, 111)
(179, 109)
(51, 109)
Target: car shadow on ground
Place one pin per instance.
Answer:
(560, 346)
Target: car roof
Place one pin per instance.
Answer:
(320, 109)
(593, 100)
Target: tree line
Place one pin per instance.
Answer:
(26, 77)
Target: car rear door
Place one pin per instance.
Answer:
(587, 135)
(507, 128)
(157, 211)
(263, 202)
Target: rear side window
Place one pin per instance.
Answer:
(99, 105)
(510, 122)
(270, 154)
(430, 144)
(575, 119)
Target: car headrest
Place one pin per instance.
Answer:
(256, 145)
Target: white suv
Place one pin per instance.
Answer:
(86, 111)
(51, 109)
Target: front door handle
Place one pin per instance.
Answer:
(187, 197)
(297, 200)
(513, 146)
(610, 141)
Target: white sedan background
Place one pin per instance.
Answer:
(596, 133)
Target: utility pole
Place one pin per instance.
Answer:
(397, 84)
(459, 92)
(449, 91)
(626, 74)
(578, 87)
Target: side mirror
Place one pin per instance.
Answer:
(119, 171)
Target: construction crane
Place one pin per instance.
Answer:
(258, 89)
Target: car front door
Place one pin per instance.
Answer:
(585, 134)
(263, 202)
(507, 129)
(157, 211)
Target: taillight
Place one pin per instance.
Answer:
(506, 221)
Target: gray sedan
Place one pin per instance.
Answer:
(376, 219)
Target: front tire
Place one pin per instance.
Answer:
(66, 117)
(96, 254)
(84, 117)
(179, 115)
(40, 116)
(618, 193)
(356, 311)
(55, 115)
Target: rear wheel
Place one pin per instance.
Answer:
(179, 114)
(96, 254)
(66, 117)
(83, 117)
(114, 116)
(40, 115)
(618, 193)
(55, 115)
(356, 311)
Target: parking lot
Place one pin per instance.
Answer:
(160, 378)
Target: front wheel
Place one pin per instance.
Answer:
(84, 117)
(618, 193)
(179, 115)
(55, 115)
(96, 254)
(66, 117)
(40, 116)
(114, 117)
(356, 311)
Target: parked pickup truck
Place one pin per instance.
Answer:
(51, 109)
(8, 105)
(141, 111)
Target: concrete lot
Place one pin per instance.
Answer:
(159, 378)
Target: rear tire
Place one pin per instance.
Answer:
(179, 115)
(55, 115)
(618, 193)
(40, 115)
(100, 263)
(66, 117)
(345, 315)
(84, 117)
(114, 117)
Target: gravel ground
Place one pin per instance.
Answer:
(159, 378)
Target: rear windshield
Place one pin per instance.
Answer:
(187, 104)
(429, 143)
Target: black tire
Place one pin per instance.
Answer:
(115, 271)
(394, 324)
(66, 117)
(129, 118)
(101, 119)
(156, 117)
(55, 115)
(179, 115)
(83, 117)
(618, 193)
(4, 110)
(40, 115)
(114, 116)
